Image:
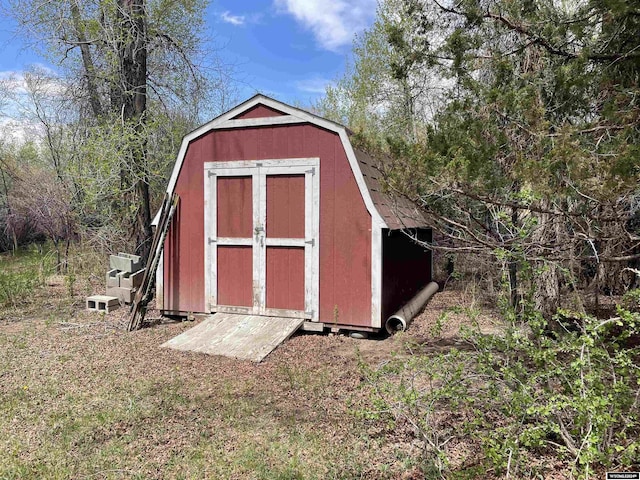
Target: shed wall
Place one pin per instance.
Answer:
(345, 223)
(406, 268)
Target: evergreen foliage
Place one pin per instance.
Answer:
(528, 157)
(530, 154)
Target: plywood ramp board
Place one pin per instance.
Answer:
(247, 337)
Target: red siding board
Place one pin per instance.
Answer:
(329, 308)
(259, 111)
(248, 143)
(285, 278)
(285, 206)
(265, 144)
(297, 142)
(345, 270)
(235, 207)
(185, 285)
(310, 137)
(345, 224)
(235, 269)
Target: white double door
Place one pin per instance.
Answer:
(261, 237)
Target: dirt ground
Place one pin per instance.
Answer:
(82, 398)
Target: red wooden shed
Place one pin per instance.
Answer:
(280, 216)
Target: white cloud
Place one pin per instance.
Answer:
(313, 85)
(233, 19)
(18, 120)
(13, 82)
(16, 132)
(39, 78)
(333, 22)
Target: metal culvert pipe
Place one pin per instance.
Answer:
(399, 321)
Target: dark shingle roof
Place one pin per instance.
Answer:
(398, 212)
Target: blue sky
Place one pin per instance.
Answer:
(289, 49)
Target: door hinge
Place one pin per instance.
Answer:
(312, 171)
(211, 173)
(311, 242)
(211, 240)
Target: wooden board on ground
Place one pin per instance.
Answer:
(247, 337)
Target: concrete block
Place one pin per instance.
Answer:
(102, 303)
(135, 258)
(125, 262)
(130, 280)
(313, 327)
(124, 295)
(112, 278)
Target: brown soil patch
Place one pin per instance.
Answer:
(82, 398)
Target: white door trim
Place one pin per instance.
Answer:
(258, 171)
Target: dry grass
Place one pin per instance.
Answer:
(82, 398)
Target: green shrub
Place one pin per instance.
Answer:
(16, 287)
(21, 273)
(573, 395)
(631, 300)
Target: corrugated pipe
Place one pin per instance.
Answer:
(399, 321)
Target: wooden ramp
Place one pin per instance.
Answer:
(247, 337)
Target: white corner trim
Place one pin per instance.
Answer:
(178, 165)
(376, 274)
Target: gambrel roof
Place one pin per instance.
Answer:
(398, 212)
(386, 211)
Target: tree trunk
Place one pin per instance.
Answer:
(87, 61)
(143, 218)
(133, 61)
(513, 284)
(56, 245)
(66, 255)
(513, 268)
(610, 239)
(547, 289)
(546, 281)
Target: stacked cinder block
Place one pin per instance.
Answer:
(123, 278)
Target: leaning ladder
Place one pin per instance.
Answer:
(144, 293)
